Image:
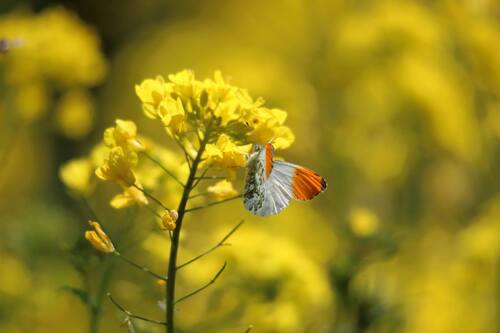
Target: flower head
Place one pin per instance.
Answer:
(168, 220)
(227, 114)
(124, 135)
(225, 153)
(151, 92)
(98, 238)
(267, 125)
(117, 167)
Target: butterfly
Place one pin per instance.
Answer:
(271, 185)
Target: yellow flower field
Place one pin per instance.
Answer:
(142, 141)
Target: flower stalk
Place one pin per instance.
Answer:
(214, 203)
(132, 315)
(212, 281)
(222, 242)
(142, 268)
(174, 246)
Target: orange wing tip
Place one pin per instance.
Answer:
(269, 159)
(307, 184)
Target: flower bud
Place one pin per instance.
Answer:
(98, 238)
(168, 220)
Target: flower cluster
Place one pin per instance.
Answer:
(54, 52)
(116, 159)
(214, 123)
(185, 105)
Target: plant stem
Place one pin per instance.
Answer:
(168, 172)
(152, 197)
(95, 304)
(142, 268)
(214, 203)
(212, 281)
(222, 242)
(172, 264)
(131, 315)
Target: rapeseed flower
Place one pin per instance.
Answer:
(225, 153)
(98, 238)
(124, 135)
(168, 220)
(56, 54)
(117, 167)
(227, 114)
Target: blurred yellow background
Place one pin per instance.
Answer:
(396, 103)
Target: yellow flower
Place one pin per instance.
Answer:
(186, 105)
(75, 114)
(363, 222)
(98, 238)
(124, 134)
(56, 51)
(117, 167)
(222, 189)
(130, 196)
(168, 220)
(267, 125)
(75, 174)
(227, 154)
(185, 85)
(172, 114)
(151, 92)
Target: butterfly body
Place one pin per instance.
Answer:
(270, 184)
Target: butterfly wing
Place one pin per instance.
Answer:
(256, 195)
(306, 184)
(272, 184)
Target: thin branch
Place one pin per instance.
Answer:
(214, 203)
(216, 246)
(186, 155)
(131, 315)
(210, 177)
(154, 212)
(151, 197)
(197, 181)
(249, 328)
(142, 268)
(216, 276)
(168, 172)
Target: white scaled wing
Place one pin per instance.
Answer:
(269, 196)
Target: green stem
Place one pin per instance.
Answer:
(174, 247)
(222, 242)
(142, 268)
(214, 203)
(95, 305)
(168, 172)
(152, 197)
(132, 315)
(211, 177)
